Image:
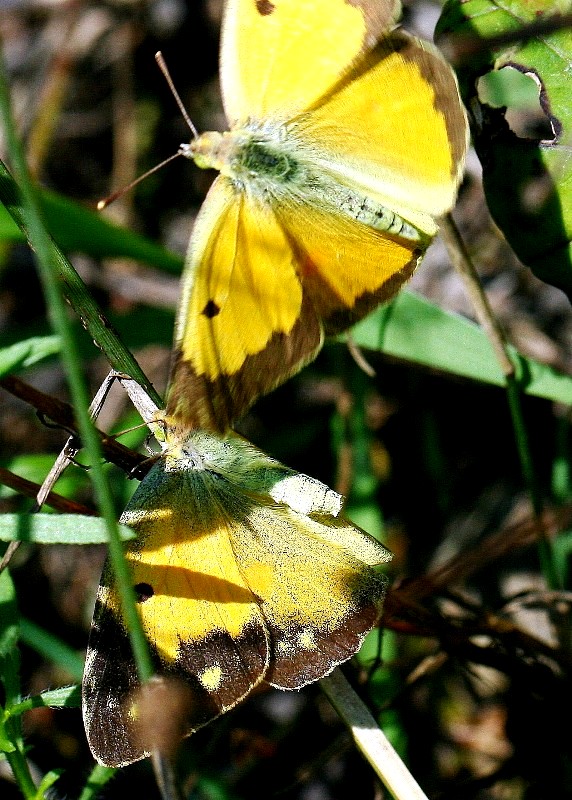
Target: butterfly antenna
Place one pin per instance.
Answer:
(167, 75)
(110, 198)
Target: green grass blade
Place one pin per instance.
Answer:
(50, 263)
(57, 529)
(74, 289)
(27, 353)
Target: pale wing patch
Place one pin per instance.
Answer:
(323, 598)
(306, 495)
(211, 678)
(315, 583)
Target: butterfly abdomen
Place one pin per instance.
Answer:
(373, 214)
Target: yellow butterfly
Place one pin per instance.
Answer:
(347, 140)
(243, 572)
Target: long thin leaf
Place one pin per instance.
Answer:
(413, 329)
(27, 353)
(57, 529)
(79, 229)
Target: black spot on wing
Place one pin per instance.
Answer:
(211, 309)
(143, 591)
(215, 405)
(264, 7)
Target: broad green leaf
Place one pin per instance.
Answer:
(27, 353)
(509, 87)
(527, 168)
(56, 529)
(413, 329)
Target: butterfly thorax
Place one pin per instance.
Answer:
(247, 155)
(185, 450)
(199, 450)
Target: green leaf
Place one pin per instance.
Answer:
(99, 776)
(79, 229)
(8, 615)
(413, 329)
(509, 87)
(6, 745)
(56, 529)
(64, 697)
(527, 169)
(9, 632)
(47, 781)
(27, 353)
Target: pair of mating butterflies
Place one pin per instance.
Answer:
(347, 140)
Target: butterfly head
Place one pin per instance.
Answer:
(210, 150)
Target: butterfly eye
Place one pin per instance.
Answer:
(143, 591)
